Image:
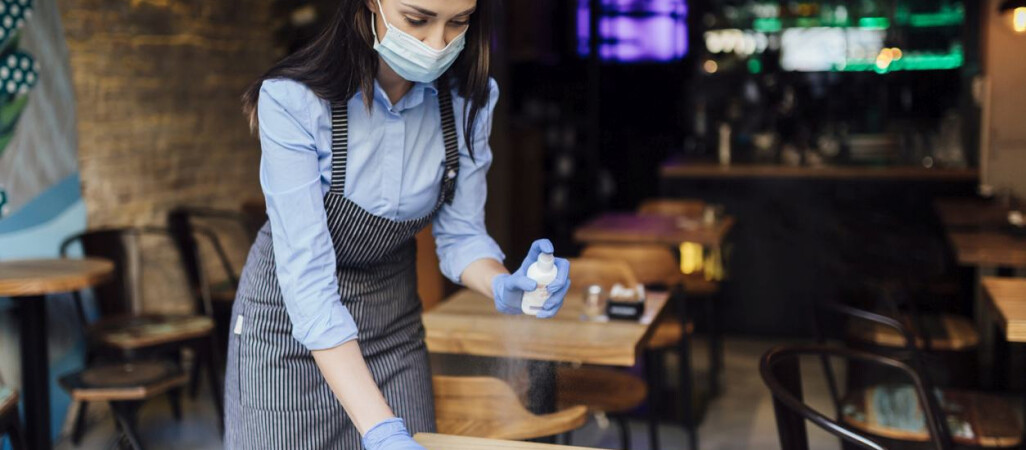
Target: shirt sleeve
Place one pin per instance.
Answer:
(304, 255)
(459, 228)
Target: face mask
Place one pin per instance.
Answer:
(412, 59)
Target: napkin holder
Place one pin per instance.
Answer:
(625, 309)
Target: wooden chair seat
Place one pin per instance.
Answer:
(975, 419)
(8, 400)
(133, 381)
(668, 333)
(135, 332)
(599, 389)
(487, 407)
(946, 332)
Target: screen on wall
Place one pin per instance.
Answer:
(635, 30)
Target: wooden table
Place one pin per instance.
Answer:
(988, 248)
(28, 282)
(1006, 298)
(977, 231)
(706, 170)
(652, 229)
(446, 442)
(468, 324)
(970, 212)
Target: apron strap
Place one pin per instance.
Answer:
(340, 145)
(452, 146)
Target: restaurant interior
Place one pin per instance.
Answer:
(789, 224)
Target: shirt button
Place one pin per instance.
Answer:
(451, 174)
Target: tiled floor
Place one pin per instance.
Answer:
(741, 418)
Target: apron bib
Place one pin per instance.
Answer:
(275, 396)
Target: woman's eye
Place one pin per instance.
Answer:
(415, 22)
(459, 23)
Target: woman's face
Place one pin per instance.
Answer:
(434, 22)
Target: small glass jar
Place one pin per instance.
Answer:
(594, 303)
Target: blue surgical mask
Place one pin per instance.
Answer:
(411, 58)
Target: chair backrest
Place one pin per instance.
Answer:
(672, 207)
(603, 272)
(910, 353)
(487, 407)
(781, 372)
(119, 246)
(122, 247)
(652, 264)
(180, 223)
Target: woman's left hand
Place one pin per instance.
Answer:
(557, 289)
(508, 289)
(390, 434)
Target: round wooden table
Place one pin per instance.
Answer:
(28, 282)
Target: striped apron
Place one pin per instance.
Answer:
(275, 396)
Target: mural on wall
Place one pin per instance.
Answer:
(37, 126)
(38, 175)
(18, 74)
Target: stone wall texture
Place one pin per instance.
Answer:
(157, 86)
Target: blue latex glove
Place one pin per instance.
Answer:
(508, 289)
(390, 434)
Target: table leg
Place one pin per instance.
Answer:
(35, 371)
(541, 394)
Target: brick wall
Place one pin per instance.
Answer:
(157, 86)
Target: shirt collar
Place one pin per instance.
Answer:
(412, 99)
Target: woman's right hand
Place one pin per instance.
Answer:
(390, 434)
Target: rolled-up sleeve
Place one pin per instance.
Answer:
(459, 228)
(303, 251)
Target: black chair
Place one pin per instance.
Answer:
(10, 421)
(902, 271)
(125, 387)
(122, 333)
(781, 372)
(186, 224)
(999, 427)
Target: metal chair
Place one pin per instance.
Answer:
(125, 333)
(125, 386)
(191, 226)
(781, 373)
(998, 428)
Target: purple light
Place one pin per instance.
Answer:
(636, 30)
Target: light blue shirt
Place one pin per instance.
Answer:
(395, 164)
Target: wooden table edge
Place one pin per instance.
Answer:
(477, 442)
(637, 349)
(991, 304)
(34, 288)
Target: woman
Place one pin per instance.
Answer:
(377, 128)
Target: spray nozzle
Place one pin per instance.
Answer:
(546, 261)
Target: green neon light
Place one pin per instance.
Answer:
(754, 66)
(767, 24)
(909, 61)
(806, 22)
(874, 23)
(938, 19)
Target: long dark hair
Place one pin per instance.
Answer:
(341, 60)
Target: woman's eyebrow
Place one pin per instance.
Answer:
(430, 13)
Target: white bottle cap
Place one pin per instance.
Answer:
(546, 261)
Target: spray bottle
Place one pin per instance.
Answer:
(543, 272)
